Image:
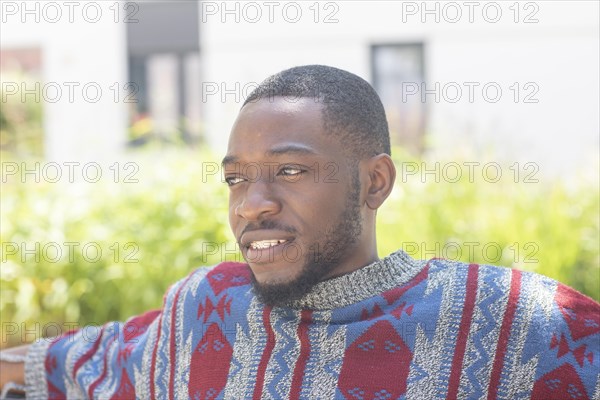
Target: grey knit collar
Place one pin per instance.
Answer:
(396, 269)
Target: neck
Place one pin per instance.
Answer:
(363, 283)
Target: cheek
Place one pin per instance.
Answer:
(232, 217)
(326, 205)
(231, 221)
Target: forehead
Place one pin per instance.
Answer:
(279, 123)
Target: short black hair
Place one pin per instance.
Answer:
(352, 109)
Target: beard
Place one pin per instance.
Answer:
(321, 259)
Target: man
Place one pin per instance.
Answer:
(315, 314)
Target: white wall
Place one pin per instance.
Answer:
(559, 54)
(75, 49)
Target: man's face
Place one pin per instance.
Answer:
(294, 203)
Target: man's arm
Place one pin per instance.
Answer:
(12, 370)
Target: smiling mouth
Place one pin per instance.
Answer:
(265, 244)
(266, 252)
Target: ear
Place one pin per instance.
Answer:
(381, 176)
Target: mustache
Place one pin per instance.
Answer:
(267, 224)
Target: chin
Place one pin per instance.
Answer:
(276, 272)
(281, 289)
(264, 278)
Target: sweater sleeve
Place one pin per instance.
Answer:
(79, 363)
(111, 361)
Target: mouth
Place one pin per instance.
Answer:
(265, 244)
(262, 252)
(264, 247)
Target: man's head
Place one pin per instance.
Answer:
(308, 165)
(351, 110)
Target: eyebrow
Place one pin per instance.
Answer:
(276, 151)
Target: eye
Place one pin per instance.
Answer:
(290, 171)
(233, 180)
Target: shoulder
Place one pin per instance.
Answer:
(528, 284)
(539, 291)
(523, 295)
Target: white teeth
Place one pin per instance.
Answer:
(265, 244)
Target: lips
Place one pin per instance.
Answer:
(264, 246)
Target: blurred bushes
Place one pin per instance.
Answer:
(154, 232)
(549, 228)
(150, 233)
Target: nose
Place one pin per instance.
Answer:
(258, 202)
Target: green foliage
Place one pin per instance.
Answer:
(151, 234)
(547, 228)
(156, 231)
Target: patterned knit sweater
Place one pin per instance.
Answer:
(398, 328)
